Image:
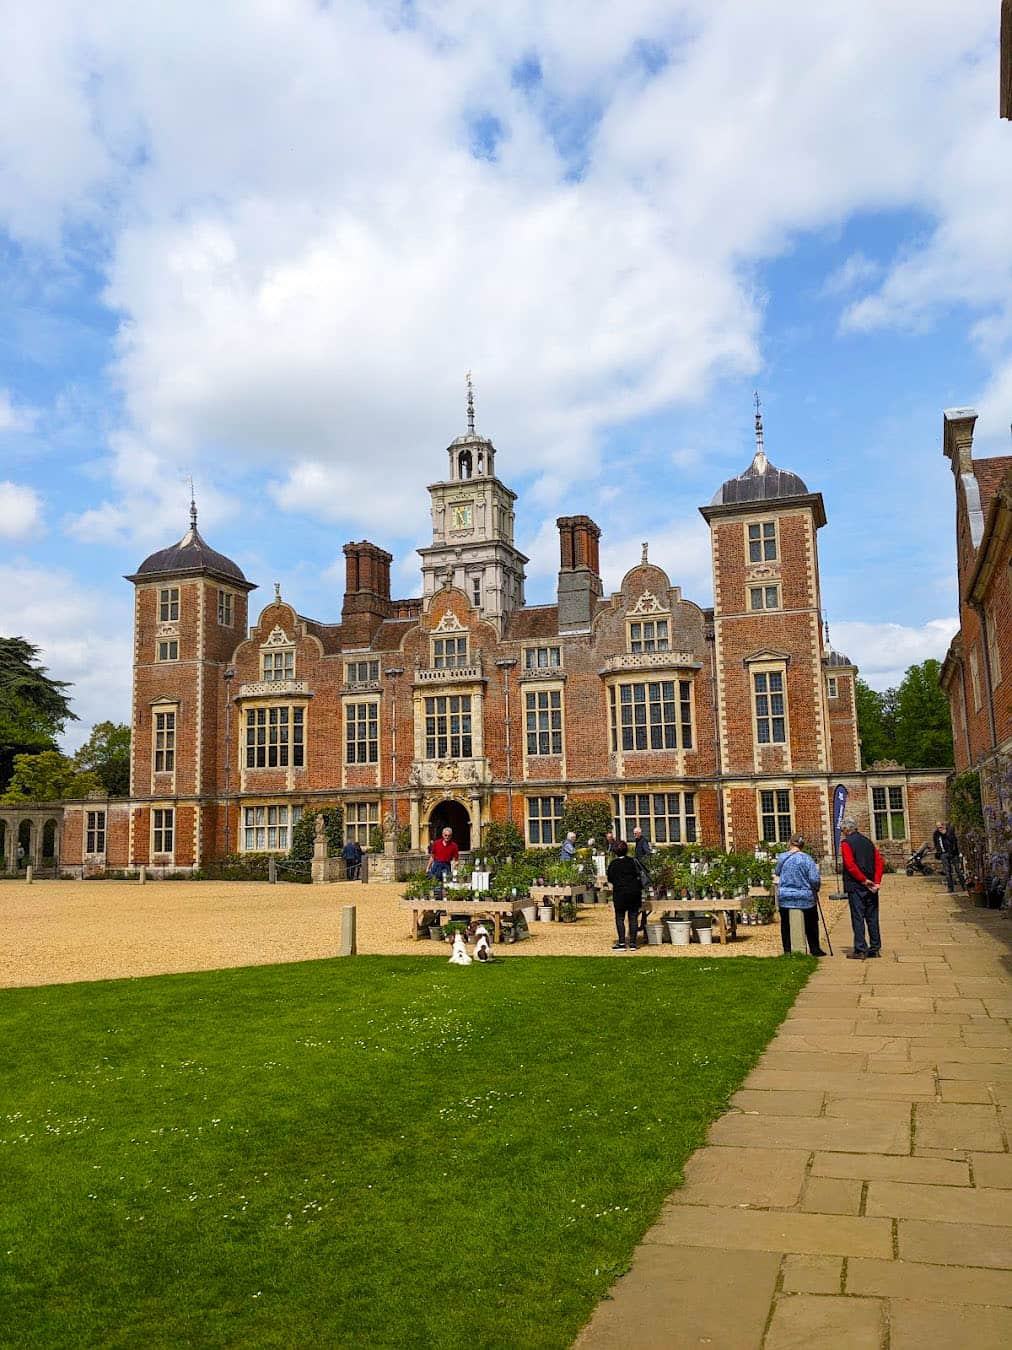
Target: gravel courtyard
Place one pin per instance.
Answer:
(56, 932)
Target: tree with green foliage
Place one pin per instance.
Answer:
(923, 721)
(304, 832)
(106, 753)
(876, 722)
(48, 777)
(910, 724)
(589, 816)
(33, 707)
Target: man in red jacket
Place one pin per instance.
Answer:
(862, 876)
(444, 854)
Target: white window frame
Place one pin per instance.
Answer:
(167, 735)
(450, 651)
(362, 731)
(353, 671)
(775, 810)
(884, 810)
(277, 664)
(767, 594)
(271, 822)
(975, 678)
(764, 671)
(226, 609)
(623, 728)
(543, 721)
(167, 651)
(649, 635)
(360, 819)
(767, 534)
(455, 714)
(168, 604)
(543, 658)
(94, 833)
(163, 829)
(476, 591)
(278, 750)
(832, 687)
(549, 807)
(669, 817)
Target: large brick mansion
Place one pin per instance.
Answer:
(465, 705)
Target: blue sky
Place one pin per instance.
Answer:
(262, 244)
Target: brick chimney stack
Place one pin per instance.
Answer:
(366, 593)
(579, 571)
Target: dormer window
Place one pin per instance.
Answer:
(649, 635)
(449, 653)
(279, 664)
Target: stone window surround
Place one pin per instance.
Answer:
(243, 744)
(226, 609)
(168, 604)
(163, 822)
(166, 650)
(94, 826)
(292, 813)
(762, 590)
(688, 821)
(535, 694)
(761, 524)
(355, 701)
(530, 661)
(634, 678)
(164, 707)
(777, 813)
(366, 813)
(889, 787)
(832, 687)
(555, 817)
(761, 667)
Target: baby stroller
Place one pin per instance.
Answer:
(916, 863)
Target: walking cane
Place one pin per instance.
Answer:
(825, 929)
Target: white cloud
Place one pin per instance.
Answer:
(857, 270)
(20, 511)
(84, 637)
(884, 651)
(15, 418)
(306, 264)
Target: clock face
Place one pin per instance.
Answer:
(460, 516)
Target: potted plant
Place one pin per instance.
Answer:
(764, 908)
(567, 911)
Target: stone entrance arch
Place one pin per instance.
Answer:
(27, 839)
(455, 814)
(50, 852)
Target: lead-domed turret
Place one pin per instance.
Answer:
(191, 556)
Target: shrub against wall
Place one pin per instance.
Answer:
(304, 832)
(589, 816)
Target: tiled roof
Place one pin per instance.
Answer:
(537, 621)
(989, 474)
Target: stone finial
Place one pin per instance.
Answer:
(760, 461)
(277, 592)
(470, 405)
(643, 559)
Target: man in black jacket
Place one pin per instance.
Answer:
(626, 893)
(862, 876)
(947, 848)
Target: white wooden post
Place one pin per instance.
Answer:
(348, 944)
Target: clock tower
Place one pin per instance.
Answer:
(472, 530)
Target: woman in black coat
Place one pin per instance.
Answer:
(626, 893)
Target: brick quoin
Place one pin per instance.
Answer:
(644, 652)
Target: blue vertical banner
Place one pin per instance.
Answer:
(839, 808)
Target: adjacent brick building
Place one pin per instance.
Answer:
(977, 672)
(465, 705)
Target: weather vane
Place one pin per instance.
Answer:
(470, 404)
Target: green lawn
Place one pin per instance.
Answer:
(377, 1152)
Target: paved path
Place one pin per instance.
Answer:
(859, 1194)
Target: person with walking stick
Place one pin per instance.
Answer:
(798, 882)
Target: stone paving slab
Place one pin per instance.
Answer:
(916, 1327)
(666, 1303)
(932, 1284)
(861, 1181)
(803, 1321)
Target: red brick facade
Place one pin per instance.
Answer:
(977, 673)
(720, 725)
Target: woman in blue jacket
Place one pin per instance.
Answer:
(799, 882)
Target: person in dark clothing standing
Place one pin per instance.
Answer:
(947, 849)
(626, 893)
(352, 855)
(862, 876)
